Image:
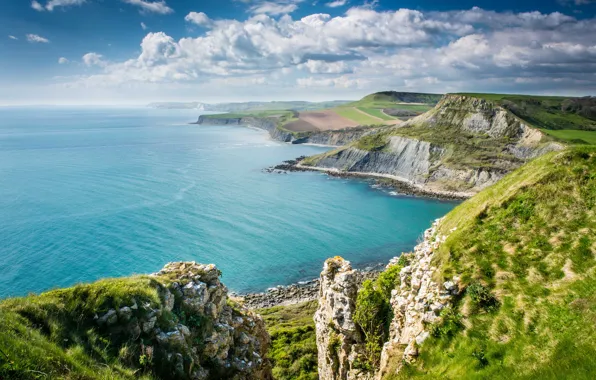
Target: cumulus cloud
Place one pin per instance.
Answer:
(159, 7)
(34, 38)
(52, 4)
(368, 49)
(198, 18)
(94, 59)
(62, 60)
(336, 3)
(12, 37)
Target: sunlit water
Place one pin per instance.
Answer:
(91, 193)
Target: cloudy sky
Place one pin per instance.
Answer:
(136, 51)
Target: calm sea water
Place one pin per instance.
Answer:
(90, 193)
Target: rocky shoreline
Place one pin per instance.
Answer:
(303, 291)
(400, 187)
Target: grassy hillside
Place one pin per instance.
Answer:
(293, 343)
(388, 99)
(549, 112)
(525, 248)
(50, 337)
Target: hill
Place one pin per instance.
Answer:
(524, 250)
(461, 146)
(504, 286)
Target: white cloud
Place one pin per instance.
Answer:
(12, 37)
(62, 61)
(151, 6)
(365, 50)
(198, 18)
(143, 26)
(274, 8)
(94, 59)
(52, 4)
(34, 38)
(336, 3)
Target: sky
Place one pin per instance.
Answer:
(140, 51)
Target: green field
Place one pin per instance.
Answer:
(376, 112)
(548, 112)
(573, 135)
(254, 113)
(358, 117)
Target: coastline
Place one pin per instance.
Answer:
(302, 291)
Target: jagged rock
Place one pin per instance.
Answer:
(339, 341)
(417, 303)
(191, 332)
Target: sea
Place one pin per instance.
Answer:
(88, 193)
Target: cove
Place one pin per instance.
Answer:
(103, 192)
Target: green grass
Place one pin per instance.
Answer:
(376, 113)
(53, 335)
(547, 112)
(256, 113)
(527, 245)
(355, 115)
(293, 351)
(573, 136)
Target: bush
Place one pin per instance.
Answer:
(482, 297)
(449, 325)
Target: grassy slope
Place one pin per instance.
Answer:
(49, 335)
(293, 343)
(546, 112)
(530, 242)
(359, 117)
(376, 112)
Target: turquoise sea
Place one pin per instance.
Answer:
(87, 193)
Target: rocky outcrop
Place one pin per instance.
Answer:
(405, 159)
(417, 303)
(194, 332)
(339, 341)
(435, 167)
(331, 138)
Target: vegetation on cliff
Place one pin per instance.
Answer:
(293, 351)
(525, 250)
(176, 325)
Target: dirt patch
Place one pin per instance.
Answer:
(301, 126)
(326, 120)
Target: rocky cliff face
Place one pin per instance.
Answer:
(331, 138)
(405, 159)
(417, 303)
(440, 165)
(339, 342)
(194, 333)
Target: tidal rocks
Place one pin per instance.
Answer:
(194, 332)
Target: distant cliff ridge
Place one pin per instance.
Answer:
(461, 146)
(331, 138)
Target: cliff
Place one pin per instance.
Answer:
(176, 324)
(331, 138)
(501, 287)
(460, 147)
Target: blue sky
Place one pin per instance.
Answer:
(135, 51)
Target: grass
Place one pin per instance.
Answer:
(293, 351)
(256, 113)
(548, 112)
(376, 113)
(359, 117)
(526, 248)
(573, 136)
(53, 335)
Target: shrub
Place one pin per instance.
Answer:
(449, 324)
(482, 297)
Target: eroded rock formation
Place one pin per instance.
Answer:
(194, 332)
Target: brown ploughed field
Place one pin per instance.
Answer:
(314, 121)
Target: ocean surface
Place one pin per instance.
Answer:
(91, 193)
